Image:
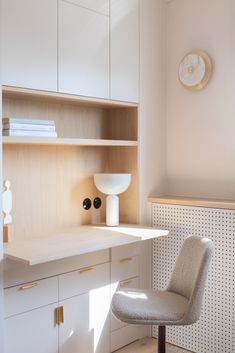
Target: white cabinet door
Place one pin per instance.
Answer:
(83, 51)
(101, 6)
(32, 332)
(125, 50)
(29, 43)
(86, 323)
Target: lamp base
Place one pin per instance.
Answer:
(112, 210)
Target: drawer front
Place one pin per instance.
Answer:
(126, 267)
(124, 336)
(16, 273)
(30, 296)
(122, 251)
(83, 280)
(129, 283)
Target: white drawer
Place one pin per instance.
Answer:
(126, 267)
(124, 336)
(30, 296)
(16, 273)
(119, 252)
(83, 280)
(129, 283)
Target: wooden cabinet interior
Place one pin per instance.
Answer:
(49, 183)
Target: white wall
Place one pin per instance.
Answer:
(201, 125)
(152, 100)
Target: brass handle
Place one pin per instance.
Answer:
(28, 286)
(126, 259)
(84, 270)
(59, 315)
(125, 283)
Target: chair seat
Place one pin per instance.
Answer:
(149, 307)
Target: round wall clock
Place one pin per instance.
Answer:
(195, 70)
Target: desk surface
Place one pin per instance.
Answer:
(77, 241)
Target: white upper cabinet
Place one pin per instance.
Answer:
(125, 50)
(101, 6)
(29, 43)
(83, 50)
(84, 47)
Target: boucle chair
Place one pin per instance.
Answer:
(180, 303)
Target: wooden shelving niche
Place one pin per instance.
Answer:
(51, 176)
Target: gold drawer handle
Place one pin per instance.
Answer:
(28, 286)
(127, 259)
(125, 283)
(85, 270)
(59, 315)
(61, 312)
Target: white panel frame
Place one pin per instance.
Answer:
(1, 240)
(214, 332)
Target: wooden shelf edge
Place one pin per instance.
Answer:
(17, 92)
(65, 141)
(193, 201)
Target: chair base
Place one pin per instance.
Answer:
(161, 339)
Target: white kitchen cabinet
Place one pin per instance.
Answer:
(83, 280)
(86, 316)
(30, 296)
(125, 268)
(32, 332)
(29, 43)
(125, 272)
(101, 6)
(83, 51)
(124, 50)
(70, 311)
(86, 323)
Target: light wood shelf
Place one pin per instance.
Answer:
(33, 94)
(193, 201)
(66, 141)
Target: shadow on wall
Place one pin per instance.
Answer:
(213, 188)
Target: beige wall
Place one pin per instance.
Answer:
(201, 125)
(152, 100)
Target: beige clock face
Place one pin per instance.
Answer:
(195, 70)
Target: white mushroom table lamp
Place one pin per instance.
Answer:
(112, 185)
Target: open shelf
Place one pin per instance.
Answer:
(47, 96)
(57, 174)
(65, 141)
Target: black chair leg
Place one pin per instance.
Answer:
(161, 339)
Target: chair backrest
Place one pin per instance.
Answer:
(190, 272)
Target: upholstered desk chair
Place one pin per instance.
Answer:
(180, 303)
